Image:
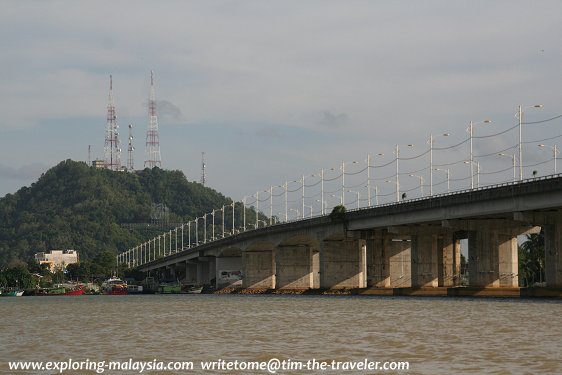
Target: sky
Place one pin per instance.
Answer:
(274, 90)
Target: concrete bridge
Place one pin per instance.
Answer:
(412, 244)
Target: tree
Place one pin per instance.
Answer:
(531, 260)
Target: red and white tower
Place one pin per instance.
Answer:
(112, 152)
(153, 158)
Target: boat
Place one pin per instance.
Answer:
(114, 286)
(12, 293)
(134, 289)
(53, 291)
(61, 290)
(191, 289)
(169, 288)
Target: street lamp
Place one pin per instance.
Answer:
(343, 181)
(471, 132)
(520, 116)
(448, 177)
(369, 178)
(356, 192)
(397, 154)
(513, 162)
(431, 140)
(555, 153)
(310, 211)
(421, 182)
(477, 171)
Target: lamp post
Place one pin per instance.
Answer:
(471, 132)
(555, 153)
(477, 171)
(421, 182)
(397, 153)
(431, 140)
(307, 206)
(369, 178)
(520, 116)
(448, 177)
(513, 163)
(355, 192)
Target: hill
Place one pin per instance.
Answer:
(74, 206)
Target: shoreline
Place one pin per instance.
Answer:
(535, 292)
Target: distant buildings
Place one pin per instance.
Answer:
(98, 164)
(57, 259)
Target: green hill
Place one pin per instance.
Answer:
(74, 206)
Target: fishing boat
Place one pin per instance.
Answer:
(114, 286)
(12, 293)
(61, 290)
(169, 288)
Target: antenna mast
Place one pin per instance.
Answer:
(111, 150)
(203, 169)
(152, 138)
(130, 162)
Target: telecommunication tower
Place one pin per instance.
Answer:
(203, 169)
(152, 138)
(130, 161)
(112, 151)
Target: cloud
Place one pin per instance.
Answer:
(331, 120)
(168, 110)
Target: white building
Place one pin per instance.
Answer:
(57, 259)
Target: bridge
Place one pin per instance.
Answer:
(390, 240)
(410, 244)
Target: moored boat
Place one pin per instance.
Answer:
(12, 293)
(114, 286)
(61, 290)
(169, 288)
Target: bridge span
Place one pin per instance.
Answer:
(411, 244)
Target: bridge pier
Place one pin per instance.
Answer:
(258, 269)
(205, 269)
(425, 264)
(190, 272)
(296, 267)
(492, 259)
(378, 244)
(343, 264)
(449, 256)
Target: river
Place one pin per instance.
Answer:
(435, 335)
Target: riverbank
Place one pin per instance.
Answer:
(535, 292)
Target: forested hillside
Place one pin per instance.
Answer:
(74, 206)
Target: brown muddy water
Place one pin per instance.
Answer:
(435, 335)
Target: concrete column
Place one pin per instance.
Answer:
(378, 260)
(190, 272)
(258, 269)
(400, 255)
(424, 261)
(202, 273)
(552, 255)
(294, 266)
(343, 264)
(492, 259)
(449, 260)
